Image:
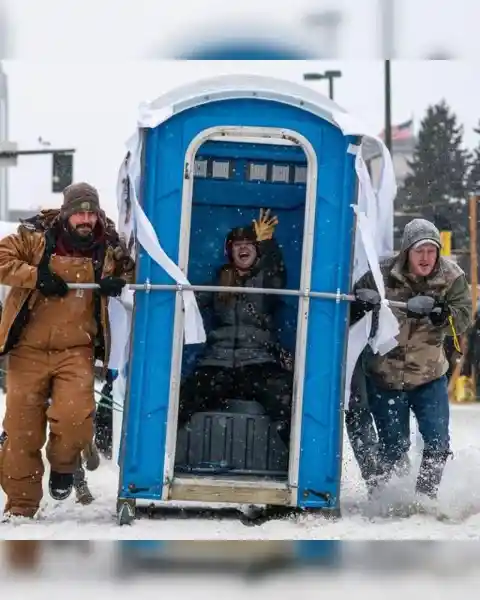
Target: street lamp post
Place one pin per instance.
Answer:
(388, 106)
(330, 75)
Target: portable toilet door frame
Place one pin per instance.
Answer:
(210, 489)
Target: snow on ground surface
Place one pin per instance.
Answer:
(459, 499)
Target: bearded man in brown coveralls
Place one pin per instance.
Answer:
(53, 336)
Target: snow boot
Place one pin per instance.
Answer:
(83, 494)
(60, 485)
(431, 473)
(90, 457)
(82, 491)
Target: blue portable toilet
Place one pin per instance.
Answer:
(223, 150)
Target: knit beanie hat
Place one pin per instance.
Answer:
(419, 230)
(420, 243)
(79, 197)
(239, 234)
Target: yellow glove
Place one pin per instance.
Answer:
(265, 226)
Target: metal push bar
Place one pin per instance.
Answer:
(147, 287)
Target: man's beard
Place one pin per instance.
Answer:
(81, 240)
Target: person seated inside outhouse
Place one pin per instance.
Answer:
(243, 358)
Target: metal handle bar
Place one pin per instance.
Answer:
(147, 287)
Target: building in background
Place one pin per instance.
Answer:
(403, 145)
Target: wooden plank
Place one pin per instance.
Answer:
(233, 491)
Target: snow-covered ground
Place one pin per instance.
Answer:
(459, 499)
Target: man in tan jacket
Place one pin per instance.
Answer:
(53, 336)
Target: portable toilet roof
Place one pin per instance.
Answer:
(226, 87)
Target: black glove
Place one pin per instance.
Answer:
(50, 284)
(367, 300)
(439, 314)
(111, 286)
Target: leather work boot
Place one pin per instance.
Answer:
(82, 491)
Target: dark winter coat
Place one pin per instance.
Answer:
(243, 330)
(419, 357)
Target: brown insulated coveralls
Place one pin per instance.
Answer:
(52, 355)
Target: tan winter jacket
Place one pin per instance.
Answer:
(20, 254)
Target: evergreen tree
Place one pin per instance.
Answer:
(436, 186)
(473, 180)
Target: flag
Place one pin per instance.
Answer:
(403, 131)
